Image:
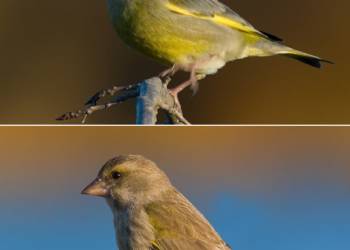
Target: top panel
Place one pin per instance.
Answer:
(228, 67)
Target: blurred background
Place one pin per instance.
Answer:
(56, 54)
(260, 187)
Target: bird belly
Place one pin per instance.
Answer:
(159, 38)
(209, 65)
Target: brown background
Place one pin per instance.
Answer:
(55, 54)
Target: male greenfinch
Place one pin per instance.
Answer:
(197, 36)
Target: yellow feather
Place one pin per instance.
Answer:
(214, 18)
(232, 23)
(155, 245)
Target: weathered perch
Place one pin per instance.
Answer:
(151, 96)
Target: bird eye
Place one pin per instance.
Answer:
(116, 175)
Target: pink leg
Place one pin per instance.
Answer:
(193, 82)
(169, 72)
(190, 82)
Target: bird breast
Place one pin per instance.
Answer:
(133, 229)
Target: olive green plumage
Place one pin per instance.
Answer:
(199, 36)
(149, 213)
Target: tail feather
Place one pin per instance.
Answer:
(308, 59)
(311, 60)
(271, 46)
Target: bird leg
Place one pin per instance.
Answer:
(192, 81)
(168, 73)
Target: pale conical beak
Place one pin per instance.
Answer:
(96, 188)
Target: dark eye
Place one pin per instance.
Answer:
(116, 175)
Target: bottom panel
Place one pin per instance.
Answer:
(275, 188)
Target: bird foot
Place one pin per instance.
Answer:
(176, 99)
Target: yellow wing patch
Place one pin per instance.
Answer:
(155, 246)
(219, 19)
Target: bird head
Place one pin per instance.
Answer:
(129, 180)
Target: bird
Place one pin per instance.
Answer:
(195, 36)
(149, 212)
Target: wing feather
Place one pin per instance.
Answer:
(178, 225)
(214, 11)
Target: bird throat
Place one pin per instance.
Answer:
(129, 220)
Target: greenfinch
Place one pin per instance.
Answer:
(149, 212)
(196, 36)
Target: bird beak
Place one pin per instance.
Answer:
(96, 188)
